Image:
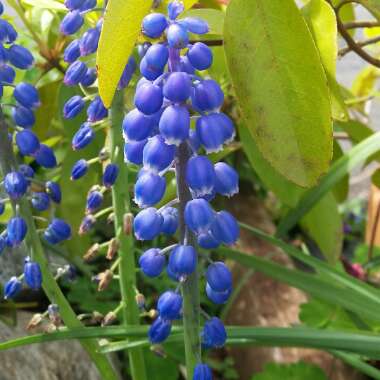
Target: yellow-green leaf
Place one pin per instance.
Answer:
(281, 86)
(321, 20)
(121, 27)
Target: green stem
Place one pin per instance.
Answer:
(190, 289)
(121, 204)
(50, 286)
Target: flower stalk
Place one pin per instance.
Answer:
(121, 205)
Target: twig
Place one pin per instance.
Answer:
(361, 24)
(370, 41)
(347, 37)
(209, 42)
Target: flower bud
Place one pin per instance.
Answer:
(104, 279)
(214, 333)
(127, 223)
(15, 185)
(74, 73)
(198, 215)
(169, 305)
(225, 228)
(23, 117)
(152, 262)
(214, 130)
(87, 5)
(149, 72)
(83, 137)
(73, 107)
(96, 110)
(71, 23)
(57, 231)
(110, 175)
(218, 298)
(177, 87)
(200, 56)
(12, 287)
(94, 201)
(79, 169)
(27, 172)
(194, 25)
(200, 176)
(152, 313)
(157, 56)
(183, 260)
(26, 95)
(149, 98)
(20, 57)
(207, 241)
(53, 313)
(88, 44)
(127, 74)
(149, 189)
(207, 96)
(27, 142)
(54, 191)
(202, 372)
(112, 249)
(154, 24)
(72, 52)
(111, 219)
(175, 8)
(40, 201)
(92, 252)
(34, 321)
(45, 157)
(73, 4)
(7, 74)
(89, 78)
(157, 155)
(175, 124)
(32, 274)
(86, 225)
(3, 54)
(219, 277)
(159, 330)
(147, 224)
(109, 319)
(137, 126)
(140, 301)
(8, 33)
(170, 223)
(177, 36)
(133, 151)
(227, 179)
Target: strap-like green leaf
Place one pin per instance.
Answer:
(356, 156)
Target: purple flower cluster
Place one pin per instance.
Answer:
(177, 110)
(17, 183)
(79, 73)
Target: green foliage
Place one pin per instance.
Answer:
(278, 79)
(296, 371)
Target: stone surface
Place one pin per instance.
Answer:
(265, 302)
(61, 360)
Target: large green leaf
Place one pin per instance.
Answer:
(279, 79)
(356, 156)
(294, 371)
(321, 20)
(323, 223)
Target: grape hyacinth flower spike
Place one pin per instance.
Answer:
(21, 187)
(159, 136)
